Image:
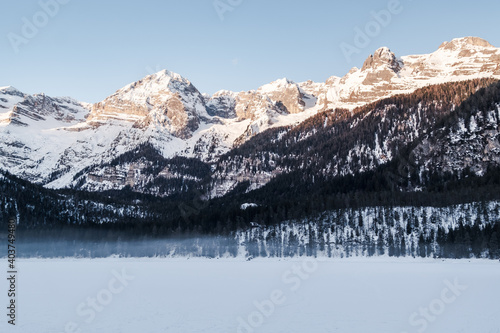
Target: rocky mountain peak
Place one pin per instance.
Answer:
(9, 90)
(18, 109)
(465, 43)
(164, 81)
(383, 57)
(285, 92)
(222, 104)
(165, 98)
(280, 82)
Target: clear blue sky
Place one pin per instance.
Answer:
(91, 48)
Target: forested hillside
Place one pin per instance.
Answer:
(437, 147)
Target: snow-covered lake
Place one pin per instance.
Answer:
(263, 295)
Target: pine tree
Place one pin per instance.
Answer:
(380, 243)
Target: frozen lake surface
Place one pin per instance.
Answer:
(263, 295)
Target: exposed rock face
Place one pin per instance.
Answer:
(460, 58)
(164, 99)
(461, 43)
(287, 93)
(251, 105)
(222, 104)
(373, 81)
(24, 108)
(9, 97)
(383, 75)
(134, 175)
(382, 58)
(317, 93)
(281, 96)
(30, 127)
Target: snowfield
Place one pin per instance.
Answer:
(263, 295)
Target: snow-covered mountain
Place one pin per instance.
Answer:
(383, 74)
(37, 131)
(165, 100)
(57, 141)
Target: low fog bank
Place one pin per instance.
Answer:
(211, 247)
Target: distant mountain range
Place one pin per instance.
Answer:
(49, 140)
(161, 157)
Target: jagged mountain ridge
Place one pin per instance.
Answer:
(443, 128)
(49, 141)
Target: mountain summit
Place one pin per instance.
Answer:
(165, 98)
(383, 74)
(383, 57)
(465, 43)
